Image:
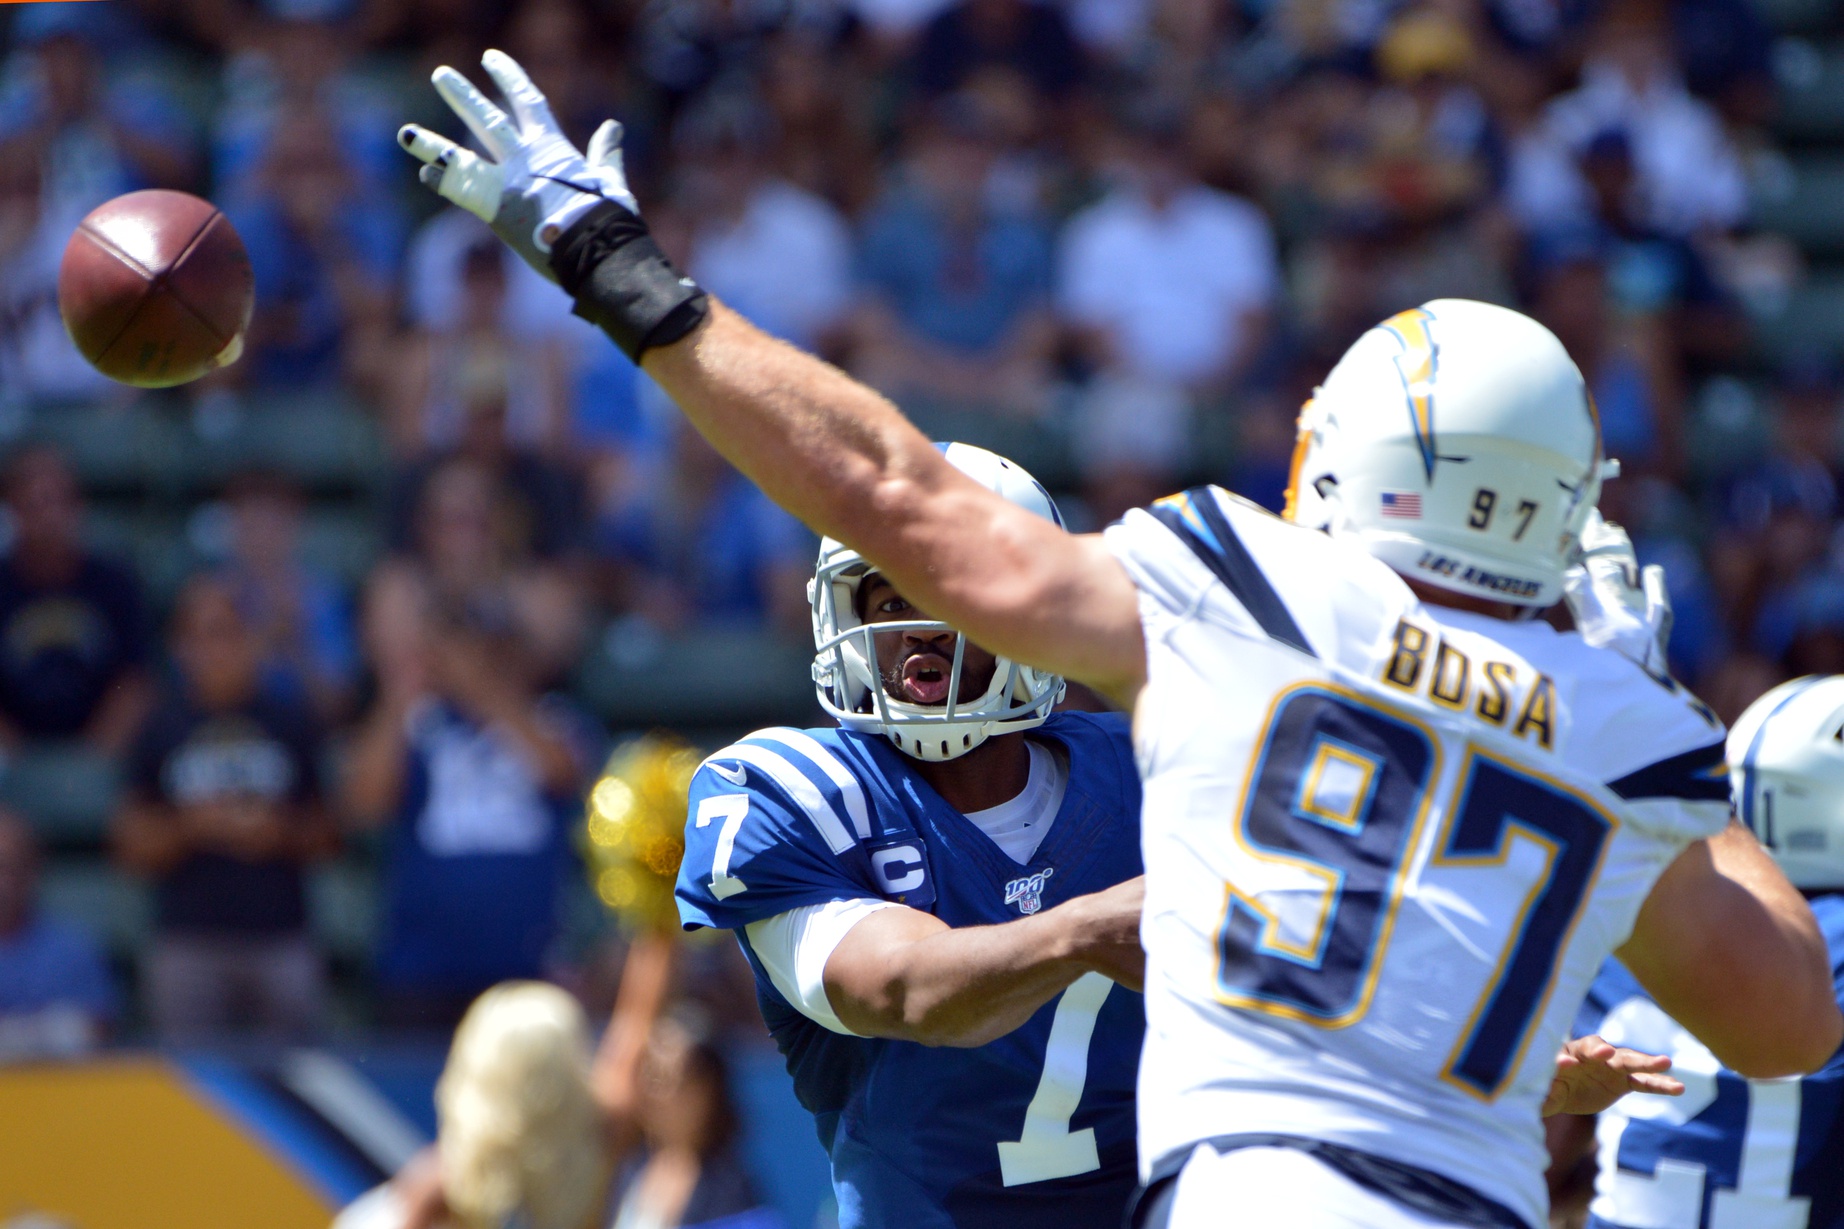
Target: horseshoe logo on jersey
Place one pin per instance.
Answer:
(1028, 893)
(1418, 363)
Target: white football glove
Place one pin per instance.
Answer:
(1616, 604)
(536, 184)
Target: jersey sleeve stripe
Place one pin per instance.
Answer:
(795, 783)
(828, 763)
(1701, 775)
(1201, 525)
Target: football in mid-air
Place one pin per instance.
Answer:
(156, 289)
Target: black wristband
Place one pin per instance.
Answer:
(623, 284)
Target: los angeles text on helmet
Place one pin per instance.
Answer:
(1456, 569)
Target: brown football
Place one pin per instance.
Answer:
(156, 288)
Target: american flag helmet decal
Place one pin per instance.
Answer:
(1405, 505)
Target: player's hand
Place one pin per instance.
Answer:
(1109, 940)
(1616, 604)
(1591, 1074)
(534, 183)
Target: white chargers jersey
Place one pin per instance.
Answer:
(1388, 846)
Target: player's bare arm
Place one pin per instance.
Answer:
(905, 974)
(830, 450)
(844, 460)
(1730, 949)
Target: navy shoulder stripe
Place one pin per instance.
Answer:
(1200, 524)
(1701, 775)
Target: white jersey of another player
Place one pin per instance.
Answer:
(1388, 846)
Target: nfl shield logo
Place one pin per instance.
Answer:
(1028, 893)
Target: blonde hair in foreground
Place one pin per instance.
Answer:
(519, 1131)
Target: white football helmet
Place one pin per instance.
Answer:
(1786, 774)
(1457, 443)
(846, 672)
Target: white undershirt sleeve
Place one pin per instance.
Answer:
(794, 947)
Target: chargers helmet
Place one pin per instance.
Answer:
(1457, 443)
(1786, 775)
(846, 673)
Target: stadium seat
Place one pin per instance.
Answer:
(66, 790)
(638, 679)
(1809, 208)
(1796, 16)
(322, 442)
(117, 908)
(1730, 426)
(343, 911)
(124, 448)
(343, 541)
(1813, 320)
(325, 441)
(1811, 81)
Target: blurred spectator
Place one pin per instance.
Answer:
(534, 1131)
(959, 285)
(555, 42)
(1810, 413)
(56, 995)
(1742, 679)
(1626, 359)
(38, 363)
(1539, 30)
(776, 253)
(821, 110)
(1132, 443)
(1768, 561)
(686, 46)
(1173, 282)
(1689, 177)
(477, 778)
(471, 545)
(94, 134)
(1186, 49)
(223, 811)
(1022, 37)
(301, 619)
(1402, 173)
(535, 501)
(1171, 286)
(699, 544)
(296, 61)
(73, 632)
(440, 377)
(1651, 273)
(688, 1172)
(435, 276)
(1726, 50)
(324, 249)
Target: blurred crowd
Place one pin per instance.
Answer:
(1127, 236)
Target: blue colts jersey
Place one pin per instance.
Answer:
(1035, 1129)
(1730, 1153)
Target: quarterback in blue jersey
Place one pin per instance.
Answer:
(1734, 1153)
(942, 914)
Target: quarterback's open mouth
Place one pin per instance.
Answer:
(925, 678)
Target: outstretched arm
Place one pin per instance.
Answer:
(823, 446)
(646, 980)
(845, 461)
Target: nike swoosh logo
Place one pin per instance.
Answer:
(735, 776)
